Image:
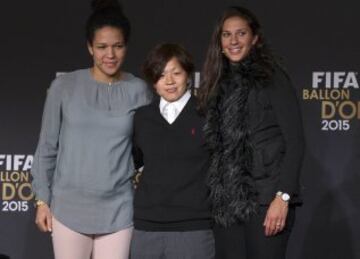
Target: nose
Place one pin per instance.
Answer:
(169, 79)
(110, 52)
(234, 39)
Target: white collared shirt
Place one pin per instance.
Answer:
(178, 106)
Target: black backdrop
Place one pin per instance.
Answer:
(319, 41)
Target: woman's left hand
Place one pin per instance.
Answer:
(275, 219)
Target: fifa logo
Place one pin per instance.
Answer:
(335, 80)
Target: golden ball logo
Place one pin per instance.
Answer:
(333, 91)
(15, 186)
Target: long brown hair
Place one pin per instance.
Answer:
(215, 60)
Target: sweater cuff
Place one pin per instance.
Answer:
(43, 195)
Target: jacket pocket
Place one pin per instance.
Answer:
(267, 158)
(272, 153)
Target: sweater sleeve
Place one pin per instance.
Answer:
(46, 153)
(287, 110)
(136, 151)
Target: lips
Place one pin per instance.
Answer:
(110, 64)
(235, 51)
(171, 90)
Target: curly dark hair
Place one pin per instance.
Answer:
(107, 13)
(215, 60)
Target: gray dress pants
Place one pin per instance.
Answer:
(198, 244)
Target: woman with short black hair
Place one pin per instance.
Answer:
(171, 210)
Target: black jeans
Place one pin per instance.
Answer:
(248, 240)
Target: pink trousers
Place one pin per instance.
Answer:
(69, 244)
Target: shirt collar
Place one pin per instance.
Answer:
(179, 104)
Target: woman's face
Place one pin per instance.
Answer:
(173, 81)
(108, 50)
(237, 39)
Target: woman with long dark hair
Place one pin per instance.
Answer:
(83, 164)
(254, 132)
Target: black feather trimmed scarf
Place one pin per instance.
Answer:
(232, 190)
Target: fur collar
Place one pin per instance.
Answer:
(232, 189)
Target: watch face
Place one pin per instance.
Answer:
(285, 197)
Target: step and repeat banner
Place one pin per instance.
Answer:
(320, 45)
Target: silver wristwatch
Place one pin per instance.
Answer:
(283, 195)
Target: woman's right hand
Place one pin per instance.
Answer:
(43, 218)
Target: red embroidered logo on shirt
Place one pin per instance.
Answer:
(193, 131)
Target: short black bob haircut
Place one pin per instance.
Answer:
(160, 55)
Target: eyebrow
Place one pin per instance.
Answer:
(173, 69)
(104, 43)
(240, 29)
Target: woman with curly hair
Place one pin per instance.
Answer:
(254, 132)
(83, 164)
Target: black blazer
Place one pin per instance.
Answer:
(277, 138)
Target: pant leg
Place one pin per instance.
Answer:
(69, 244)
(259, 246)
(198, 244)
(147, 245)
(230, 242)
(112, 246)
